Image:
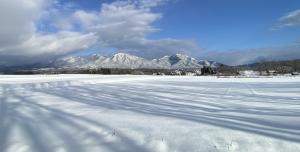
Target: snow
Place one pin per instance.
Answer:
(75, 113)
(123, 60)
(178, 61)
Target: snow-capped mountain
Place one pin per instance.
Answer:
(178, 61)
(70, 62)
(122, 60)
(126, 61)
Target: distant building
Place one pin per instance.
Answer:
(176, 72)
(161, 73)
(249, 73)
(190, 74)
(272, 72)
(198, 72)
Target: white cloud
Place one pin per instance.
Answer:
(17, 20)
(47, 46)
(149, 3)
(86, 19)
(289, 20)
(121, 25)
(162, 47)
(21, 39)
(118, 20)
(58, 43)
(125, 25)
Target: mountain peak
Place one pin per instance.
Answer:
(181, 55)
(121, 54)
(124, 56)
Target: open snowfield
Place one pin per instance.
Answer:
(93, 113)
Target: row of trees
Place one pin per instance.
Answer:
(263, 68)
(116, 71)
(280, 67)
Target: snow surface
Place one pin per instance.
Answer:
(94, 113)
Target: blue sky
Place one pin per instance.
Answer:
(229, 24)
(221, 30)
(220, 24)
(225, 25)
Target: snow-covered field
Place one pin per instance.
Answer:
(90, 113)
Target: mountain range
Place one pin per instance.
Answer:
(127, 61)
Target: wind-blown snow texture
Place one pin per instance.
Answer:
(92, 113)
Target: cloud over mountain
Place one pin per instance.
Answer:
(120, 25)
(21, 41)
(248, 56)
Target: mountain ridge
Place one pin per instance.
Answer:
(127, 61)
